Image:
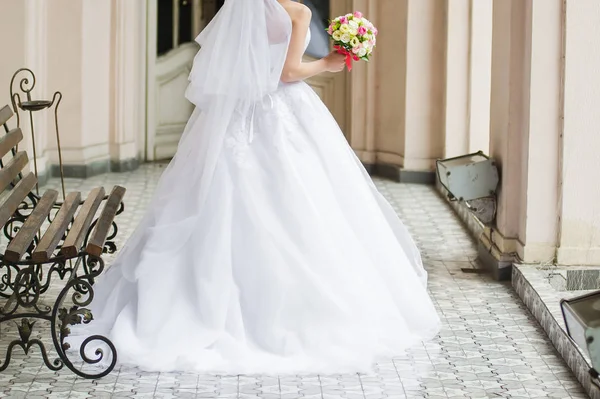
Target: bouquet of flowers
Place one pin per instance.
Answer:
(353, 36)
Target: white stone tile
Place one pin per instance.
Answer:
(489, 346)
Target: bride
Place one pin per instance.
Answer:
(266, 248)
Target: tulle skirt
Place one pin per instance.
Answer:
(295, 263)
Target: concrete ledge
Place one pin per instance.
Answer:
(43, 178)
(396, 173)
(543, 303)
(126, 165)
(499, 269)
(95, 168)
(497, 264)
(82, 171)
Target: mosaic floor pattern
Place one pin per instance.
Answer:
(490, 345)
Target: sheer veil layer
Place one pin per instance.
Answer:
(242, 53)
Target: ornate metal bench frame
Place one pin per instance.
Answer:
(69, 250)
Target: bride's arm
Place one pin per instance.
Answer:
(294, 69)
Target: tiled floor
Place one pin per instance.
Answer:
(490, 346)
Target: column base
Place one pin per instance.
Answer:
(94, 168)
(491, 259)
(498, 265)
(43, 177)
(398, 174)
(125, 165)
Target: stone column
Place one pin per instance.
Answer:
(128, 102)
(12, 27)
(456, 112)
(362, 89)
(468, 69)
(539, 190)
(579, 208)
(23, 25)
(524, 131)
(410, 88)
(390, 66)
(480, 68)
(425, 82)
(36, 60)
(79, 64)
(509, 70)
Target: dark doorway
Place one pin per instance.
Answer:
(175, 24)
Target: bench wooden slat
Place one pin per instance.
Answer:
(96, 242)
(50, 239)
(10, 141)
(12, 169)
(17, 247)
(5, 114)
(16, 196)
(82, 223)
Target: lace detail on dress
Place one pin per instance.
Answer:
(289, 127)
(238, 141)
(272, 117)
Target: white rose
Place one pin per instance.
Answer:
(362, 52)
(353, 32)
(349, 15)
(345, 28)
(346, 38)
(337, 35)
(353, 24)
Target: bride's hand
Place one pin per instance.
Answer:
(335, 62)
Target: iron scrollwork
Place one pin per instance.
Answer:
(23, 284)
(26, 86)
(23, 287)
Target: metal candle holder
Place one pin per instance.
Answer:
(26, 85)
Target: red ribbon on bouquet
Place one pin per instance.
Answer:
(348, 54)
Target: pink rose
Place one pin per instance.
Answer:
(343, 20)
(358, 14)
(330, 30)
(375, 31)
(362, 30)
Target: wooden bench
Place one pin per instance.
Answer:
(51, 244)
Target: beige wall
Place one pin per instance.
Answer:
(545, 95)
(23, 25)
(540, 190)
(515, 78)
(430, 80)
(89, 51)
(580, 203)
(12, 26)
(410, 83)
(391, 86)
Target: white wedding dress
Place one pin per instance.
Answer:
(295, 263)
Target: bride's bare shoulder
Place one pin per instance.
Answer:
(297, 11)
